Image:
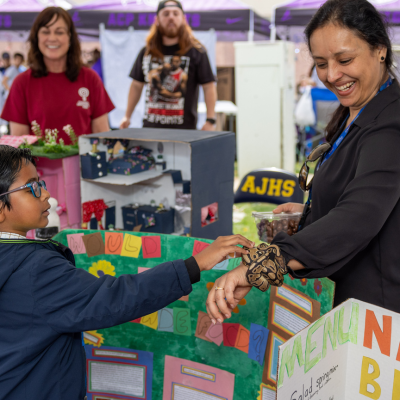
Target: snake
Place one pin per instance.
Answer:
(266, 266)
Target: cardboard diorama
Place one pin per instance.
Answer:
(187, 171)
(350, 353)
(176, 353)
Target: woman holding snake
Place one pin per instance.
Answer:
(351, 222)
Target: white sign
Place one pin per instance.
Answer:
(351, 353)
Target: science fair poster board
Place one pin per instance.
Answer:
(351, 353)
(175, 353)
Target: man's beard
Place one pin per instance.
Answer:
(170, 32)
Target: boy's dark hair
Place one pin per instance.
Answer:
(11, 160)
(19, 55)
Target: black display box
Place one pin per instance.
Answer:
(94, 166)
(143, 215)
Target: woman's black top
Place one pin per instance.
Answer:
(352, 234)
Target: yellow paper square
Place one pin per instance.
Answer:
(131, 246)
(150, 320)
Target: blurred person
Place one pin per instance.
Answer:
(96, 64)
(172, 66)
(6, 61)
(57, 90)
(11, 72)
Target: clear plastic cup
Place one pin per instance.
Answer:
(269, 224)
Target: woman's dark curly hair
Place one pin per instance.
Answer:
(35, 57)
(362, 18)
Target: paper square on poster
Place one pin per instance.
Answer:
(185, 380)
(203, 324)
(151, 246)
(150, 320)
(199, 247)
(182, 321)
(258, 342)
(114, 242)
(184, 298)
(230, 332)
(94, 244)
(242, 339)
(215, 333)
(75, 243)
(131, 246)
(142, 269)
(223, 265)
(166, 320)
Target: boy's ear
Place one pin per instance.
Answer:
(2, 214)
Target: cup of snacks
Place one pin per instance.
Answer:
(269, 224)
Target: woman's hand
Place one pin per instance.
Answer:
(234, 287)
(289, 208)
(217, 251)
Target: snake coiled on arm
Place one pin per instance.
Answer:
(266, 266)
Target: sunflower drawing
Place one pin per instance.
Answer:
(102, 268)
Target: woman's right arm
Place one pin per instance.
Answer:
(17, 129)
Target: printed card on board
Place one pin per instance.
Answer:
(216, 333)
(184, 380)
(107, 367)
(242, 339)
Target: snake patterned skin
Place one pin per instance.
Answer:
(266, 266)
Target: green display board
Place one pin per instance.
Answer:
(248, 373)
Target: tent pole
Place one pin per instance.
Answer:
(251, 27)
(272, 26)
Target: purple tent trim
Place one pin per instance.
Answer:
(299, 12)
(151, 5)
(30, 5)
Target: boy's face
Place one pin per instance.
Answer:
(27, 212)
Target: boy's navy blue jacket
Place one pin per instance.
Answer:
(45, 304)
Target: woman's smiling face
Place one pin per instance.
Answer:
(347, 65)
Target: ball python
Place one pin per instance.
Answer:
(266, 266)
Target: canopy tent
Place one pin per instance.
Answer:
(289, 16)
(225, 16)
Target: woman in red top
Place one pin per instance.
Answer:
(57, 90)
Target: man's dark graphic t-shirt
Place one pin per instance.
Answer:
(172, 86)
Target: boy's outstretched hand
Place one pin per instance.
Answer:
(217, 251)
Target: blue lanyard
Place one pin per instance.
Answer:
(339, 140)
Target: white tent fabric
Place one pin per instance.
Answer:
(119, 52)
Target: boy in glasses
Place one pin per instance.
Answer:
(46, 302)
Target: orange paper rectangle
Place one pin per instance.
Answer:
(114, 241)
(243, 339)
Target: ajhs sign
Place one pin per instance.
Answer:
(350, 353)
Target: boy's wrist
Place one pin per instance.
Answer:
(193, 270)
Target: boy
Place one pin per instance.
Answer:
(45, 302)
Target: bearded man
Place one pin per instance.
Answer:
(171, 67)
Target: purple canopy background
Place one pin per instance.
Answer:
(221, 15)
(151, 6)
(299, 12)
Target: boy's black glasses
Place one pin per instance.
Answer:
(314, 156)
(34, 186)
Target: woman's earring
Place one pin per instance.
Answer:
(382, 58)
